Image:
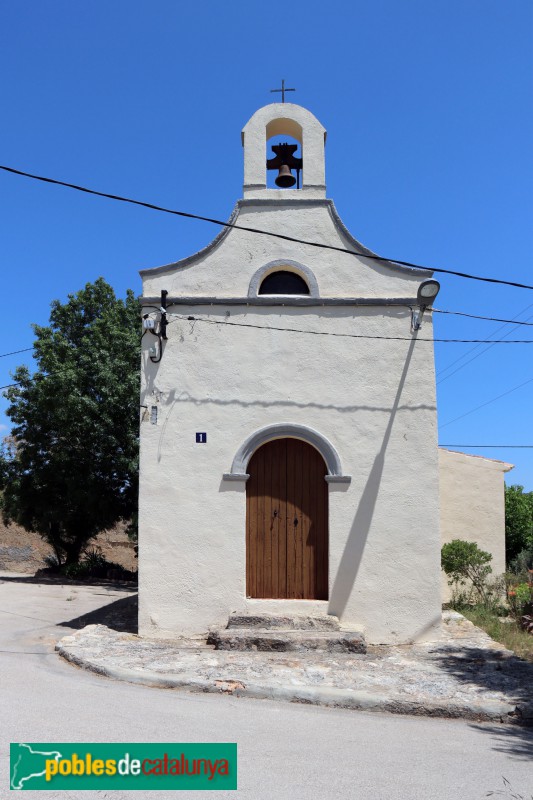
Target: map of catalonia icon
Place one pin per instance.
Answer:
(28, 764)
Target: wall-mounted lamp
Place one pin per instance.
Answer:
(427, 292)
(159, 329)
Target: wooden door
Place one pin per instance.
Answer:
(287, 522)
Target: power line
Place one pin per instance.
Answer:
(484, 350)
(473, 349)
(32, 378)
(490, 446)
(476, 316)
(437, 310)
(348, 335)
(14, 352)
(299, 330)
(488, 402)
(311, 333)
(345, 335)
(283, 236)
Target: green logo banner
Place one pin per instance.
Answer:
(123, 766)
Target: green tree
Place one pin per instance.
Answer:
(518, 520)
(70, 469)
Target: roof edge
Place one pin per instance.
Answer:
(362, 250)
(188, 260)
(507, 467)
(359, 249)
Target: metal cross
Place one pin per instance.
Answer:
(283, 90)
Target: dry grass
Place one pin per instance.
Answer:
(507, 633)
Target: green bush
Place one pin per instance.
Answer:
(465, 563)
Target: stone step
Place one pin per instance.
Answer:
(288, 640)
(296, 622)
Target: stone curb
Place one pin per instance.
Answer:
(362, 700)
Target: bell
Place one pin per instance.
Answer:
(285, 178)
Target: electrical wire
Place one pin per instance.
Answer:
(441, 379)
(488, 402)
(345, 335)
(477, 355)
(489, 446)
(436, 310)
(31, 378)
(351, 336)
(190, 318)
(476, 316)
(311, 333)
(14, 352)
(283, 236)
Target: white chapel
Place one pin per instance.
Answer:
(289, 461)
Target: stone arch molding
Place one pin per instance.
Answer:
(278, 264)
(282, 431)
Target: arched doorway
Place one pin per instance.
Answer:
(287, 522)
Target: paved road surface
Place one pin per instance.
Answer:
(285, 751)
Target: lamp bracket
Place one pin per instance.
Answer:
(416, 318)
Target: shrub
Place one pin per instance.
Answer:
(523, 561)
(95, 565)
(76, 571)
(520, 598)
(464, 561)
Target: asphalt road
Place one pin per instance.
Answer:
(285, 751)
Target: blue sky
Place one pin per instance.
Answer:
(428, 108)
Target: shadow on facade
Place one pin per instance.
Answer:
(356, 542)
(184, 397)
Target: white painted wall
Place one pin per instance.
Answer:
(373, 399)
(226, 270)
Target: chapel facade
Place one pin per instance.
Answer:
(289, 459)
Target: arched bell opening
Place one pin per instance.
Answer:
(280, 123)
(284, 161)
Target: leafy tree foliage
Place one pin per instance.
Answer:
(71, 467)
(518, 520)
(464, 561)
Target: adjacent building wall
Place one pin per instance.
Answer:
(472, 505)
